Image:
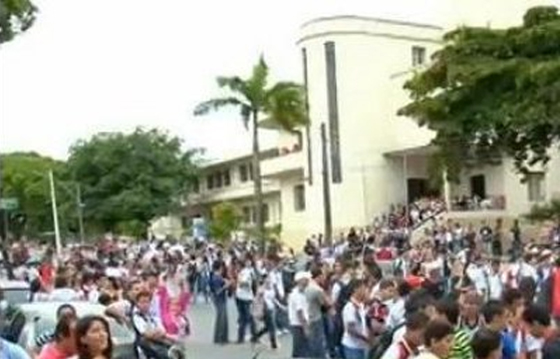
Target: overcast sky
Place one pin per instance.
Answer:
(110, 65)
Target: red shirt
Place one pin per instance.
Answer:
(51, 351)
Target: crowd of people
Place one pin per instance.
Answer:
(456, 294)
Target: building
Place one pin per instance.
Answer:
(354, 68)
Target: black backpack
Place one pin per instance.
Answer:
(383, 342)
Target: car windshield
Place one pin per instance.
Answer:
(13, 296)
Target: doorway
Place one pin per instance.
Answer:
(478, 186)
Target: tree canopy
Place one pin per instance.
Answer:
(16, 16)
(129, 179)
(493, 92)
(226, 219)
(25, 178)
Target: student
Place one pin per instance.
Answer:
(438, 340)
(356, 337)
(496, 318)
(64, 343)
(407, 347)
(447, 310)
(539, 326)
(487, 344)
(298, 314)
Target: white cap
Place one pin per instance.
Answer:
(302, 275)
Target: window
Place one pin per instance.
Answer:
(251, 175)
(210, 181)
(243, 173)
(227, 178)
(536, 187)
(299, 198)
(418, 55)
(195, 186)
(218, 179)
(265, 213)
(332, 103)
(247, 214)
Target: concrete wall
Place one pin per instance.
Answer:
(368, 51)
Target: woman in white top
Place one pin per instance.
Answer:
(438, 340)
(356, 338)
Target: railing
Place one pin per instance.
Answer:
(471, 204)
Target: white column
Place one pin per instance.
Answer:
(55, 215)
(446, 190)
(405, 175)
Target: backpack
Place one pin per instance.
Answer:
(383, 342)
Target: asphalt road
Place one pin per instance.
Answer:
(200, 346)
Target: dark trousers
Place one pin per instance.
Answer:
(300, 346)
(221, 330)
(317, 342)
(244, 319)
(269, 327)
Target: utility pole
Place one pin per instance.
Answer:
(80, 213)
(326, 186)
(55, 216)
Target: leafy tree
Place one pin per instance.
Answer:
(25, 177)
(282, 104)
(16, 16)
(130, 179)
(491, 92)
(546, 212)
(226, 218)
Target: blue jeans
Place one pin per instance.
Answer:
(244, 319)
(300, 346)
(317, 341)
(354, 353)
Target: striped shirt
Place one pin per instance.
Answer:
(44, 339)
(461, 345)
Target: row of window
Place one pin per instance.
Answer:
(250, 214)
(222, 178)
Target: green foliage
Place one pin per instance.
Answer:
(129, 179)
(545, 212)
(25, 177)
(492, 92)
(16, 16)
(283, 103)
(226, 218)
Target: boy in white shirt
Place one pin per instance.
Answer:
(298, 315)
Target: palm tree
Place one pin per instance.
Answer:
(282, 104)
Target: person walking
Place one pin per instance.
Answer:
(244, 297)
(219, 286)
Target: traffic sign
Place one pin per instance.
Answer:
(9, 204)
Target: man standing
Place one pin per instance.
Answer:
(298, 314)
(318, 301)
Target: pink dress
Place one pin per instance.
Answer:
(174, 324)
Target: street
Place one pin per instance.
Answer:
(200, 344)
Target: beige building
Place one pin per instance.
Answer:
(354, 68)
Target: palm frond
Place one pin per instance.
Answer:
(234, 84)
(285, 105)
(216, 104)
(246, 115)
(256, 85)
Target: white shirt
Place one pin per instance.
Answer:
(244, 289)
(354, 314)
(495, 286)
(396, 313)
(297, 301)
